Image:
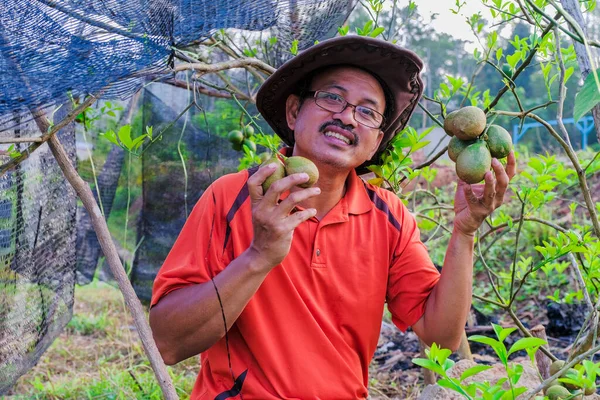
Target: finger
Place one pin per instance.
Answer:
(295, 219)
(256, 180)
(489, 190)
(511, 165)
(469, 195)
(283, 185)
(502, 180)
(295, 198)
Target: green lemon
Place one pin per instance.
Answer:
(235, 137)
(499, 141)
(473, 162)
(297, 164)
(275, 176)
(466, 123)
(455, 146)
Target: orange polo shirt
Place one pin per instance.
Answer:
(311, 329)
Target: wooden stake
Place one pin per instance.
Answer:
(110, 252)
(541, 360)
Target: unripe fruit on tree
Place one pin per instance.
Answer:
(250, 144)
(235, 136)
(499, 141)
(589, 390)
(473, 162)
(466, 123)
(553, 383)
(556, 366)
(297, 164)
(455, 146)
(278, 174)
(237, 146)
(557, 392)
(248, 131)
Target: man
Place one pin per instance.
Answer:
(300, 276)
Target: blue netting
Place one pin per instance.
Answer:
(50, 49)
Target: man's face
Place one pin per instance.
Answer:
(317, 131)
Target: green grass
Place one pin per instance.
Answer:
(99, 356)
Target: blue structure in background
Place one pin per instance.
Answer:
(585, 125)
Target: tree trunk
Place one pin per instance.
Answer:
(585, 66)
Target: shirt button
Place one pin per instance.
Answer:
(318, 252)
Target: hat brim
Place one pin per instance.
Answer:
(396, 67)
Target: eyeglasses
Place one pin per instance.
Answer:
(335, 103)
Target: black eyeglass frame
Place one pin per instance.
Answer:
(313, 94)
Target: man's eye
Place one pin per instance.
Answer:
(366, 111)
(331, 97)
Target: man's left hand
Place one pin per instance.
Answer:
(474, 203)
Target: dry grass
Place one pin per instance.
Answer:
(99, 355)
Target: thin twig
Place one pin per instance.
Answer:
(589, 201)
(243, 62)
(50, 129)
(21, 140)
(514, 264)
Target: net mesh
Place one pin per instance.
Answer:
(37, 257)
(54, 51)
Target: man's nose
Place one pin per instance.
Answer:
(346, 116)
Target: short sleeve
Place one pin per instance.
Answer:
(412, 275)
(196, 256)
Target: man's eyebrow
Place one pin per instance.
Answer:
(343, 89)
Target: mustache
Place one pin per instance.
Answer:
(341, 125)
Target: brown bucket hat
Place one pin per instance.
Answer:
(395, 67)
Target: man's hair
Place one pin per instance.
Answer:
(304, 87)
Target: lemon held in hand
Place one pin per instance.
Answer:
(466, 123)
(276, 175)
(297, 164)
(455, 146)
(473, 162)
(499, 141)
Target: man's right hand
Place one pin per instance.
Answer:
(273, 221)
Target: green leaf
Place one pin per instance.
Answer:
(499, 54)
(343, 31)
(294, 48)
(504, 332)
(420, 145)
(450, 384)
(474, 371)
(125, 136)
(428, 364)
(587, 98)
(525, 343)
(137, 142)
(377, 31)
(513, 59)
(111, 136)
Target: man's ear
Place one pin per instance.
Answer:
(292, 107)
(379, 139)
